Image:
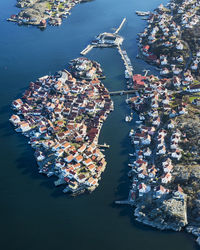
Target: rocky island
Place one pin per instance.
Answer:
(165, 168)
(62, 116)
(42, 12)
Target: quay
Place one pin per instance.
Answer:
(122, 92)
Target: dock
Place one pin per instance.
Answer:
(104, 145)
(87, 49)
(127, 61)
(126, 202)
(120, 26)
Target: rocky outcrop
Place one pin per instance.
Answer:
(164, 214)
(25, 3)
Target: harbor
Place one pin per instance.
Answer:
(48, 218)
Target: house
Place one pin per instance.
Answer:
(143, 174)
(176, 154)
(69, 158)
(91, 168)
(79, 158)
(23, 127)
(15, 119)
(87, 162)
(143, 189)
(17, 104)
(146, 140)
(91, 182)
(82, 148)
(160, 191)
(152, 171)
(166, 178)
(162, 150)
(40, 156)
(193, 88)
(168, 168)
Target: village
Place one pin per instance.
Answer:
(62, 116)
(40, 13)
(164, 182)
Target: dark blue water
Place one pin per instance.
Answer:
(34, 214)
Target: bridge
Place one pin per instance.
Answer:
(123, 92)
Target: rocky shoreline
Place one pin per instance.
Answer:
(42, 12)
(165, 169)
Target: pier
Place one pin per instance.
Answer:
(87, 49)
(120, 26)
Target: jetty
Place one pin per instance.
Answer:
(87, 49)
(120, 26)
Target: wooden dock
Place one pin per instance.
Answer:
(87, 49)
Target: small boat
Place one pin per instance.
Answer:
(127, 75)
(131, 155)
(131, 132)
(138, 122)
(128, 118)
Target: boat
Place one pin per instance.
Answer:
(143, 13)
(131, 132)
(131, 155)
(128, 118)
(127, 75)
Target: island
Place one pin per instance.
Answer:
(62, 116)
(165, 163)
(42, 12)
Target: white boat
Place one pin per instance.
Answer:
(131, 132)
(128, 118)
(131, 155)
(127, 75)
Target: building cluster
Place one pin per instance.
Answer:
(51, 11)
(84, 68)
(162, 44)
(156, 139)
(63, 116)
